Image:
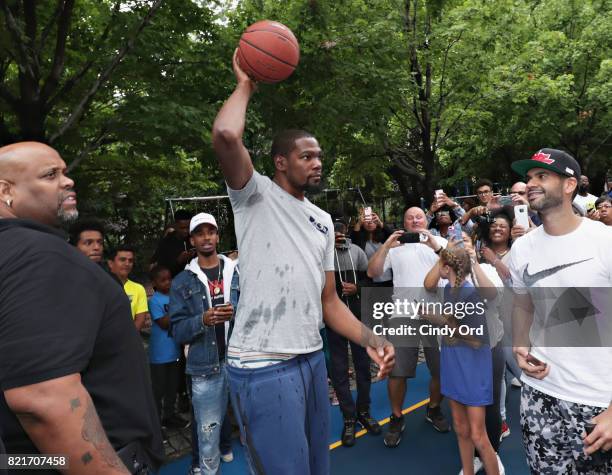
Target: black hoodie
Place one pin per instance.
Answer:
(61, 314)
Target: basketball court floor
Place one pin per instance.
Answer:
(422, 451)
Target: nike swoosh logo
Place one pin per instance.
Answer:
(531, 279)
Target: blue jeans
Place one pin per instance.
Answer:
(210, 397)
(283, 414)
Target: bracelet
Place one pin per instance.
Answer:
(439, 250)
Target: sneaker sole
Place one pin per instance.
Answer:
(398, 440)
(393, 446)
(428, 419)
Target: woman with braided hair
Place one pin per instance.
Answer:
(465, 360)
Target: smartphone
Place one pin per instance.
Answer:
(456, 234)
(438, 194)
(505, 200)
(411, 238)
(225, 304)
(367, 213)
(598, 458)
(478, 246)
(533, 361)
(520, 216)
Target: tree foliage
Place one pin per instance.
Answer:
(404, 95)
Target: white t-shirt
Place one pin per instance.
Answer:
(285, 245)
(548, 267)
(584, 201)
(410, 264)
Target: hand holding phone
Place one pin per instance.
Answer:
(411, 238)
(367, 213)
(533, 361)
(521, 216)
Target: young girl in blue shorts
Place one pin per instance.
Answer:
(465, 361)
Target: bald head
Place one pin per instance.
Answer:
(33, 184)
(518, 193)
(415, 220)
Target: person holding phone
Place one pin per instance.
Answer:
(410, 263)
(369, 235)
(203, 299)
(568, 384)
(466, 372)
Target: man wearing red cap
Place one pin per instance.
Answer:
(559, 341)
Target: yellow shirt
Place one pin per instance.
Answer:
(138, 297)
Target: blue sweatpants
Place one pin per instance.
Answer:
(283, 414)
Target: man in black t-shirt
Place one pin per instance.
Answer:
(73, 375)
(174, 250)
(202, 301)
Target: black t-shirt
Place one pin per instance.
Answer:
(168, 252)
(215, 285)
(61, 314)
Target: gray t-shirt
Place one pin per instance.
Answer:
(285, 245)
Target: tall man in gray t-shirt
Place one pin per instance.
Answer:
(276, 368)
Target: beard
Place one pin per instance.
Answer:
(583, 188)
(313, 188)
(550, 199)
(67, 216)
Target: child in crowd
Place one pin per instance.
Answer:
(163, 351)
(465, 361)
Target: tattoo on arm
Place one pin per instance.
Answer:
(74, 404)
(86, 458)
(93, 432)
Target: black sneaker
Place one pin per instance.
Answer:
(175, 422)
(437, 419)
(369, 423)
(396, 427)
(348, 432)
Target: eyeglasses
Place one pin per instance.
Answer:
(518, 193)
(605, 206)
(485, 192)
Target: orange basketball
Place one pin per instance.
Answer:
(268, 51)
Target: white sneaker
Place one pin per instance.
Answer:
(194, 471)
(228, 457)
(477, 466)
(516, 383)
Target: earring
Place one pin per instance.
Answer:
(9, 203)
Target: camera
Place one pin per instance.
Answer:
(486, 218)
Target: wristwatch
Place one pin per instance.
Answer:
(439, 250)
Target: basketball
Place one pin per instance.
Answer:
(268, 51)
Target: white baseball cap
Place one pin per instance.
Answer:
(202, 218)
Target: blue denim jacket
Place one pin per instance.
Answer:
(189, 299)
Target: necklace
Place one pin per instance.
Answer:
(216, 289)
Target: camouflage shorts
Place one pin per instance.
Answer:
(552, 435)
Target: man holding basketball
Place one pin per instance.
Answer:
(276, 368)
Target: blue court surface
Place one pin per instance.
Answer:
(422, 451)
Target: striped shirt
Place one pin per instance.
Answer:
(247, 359)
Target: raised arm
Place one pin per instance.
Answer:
(234, 158)
(376, 265)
